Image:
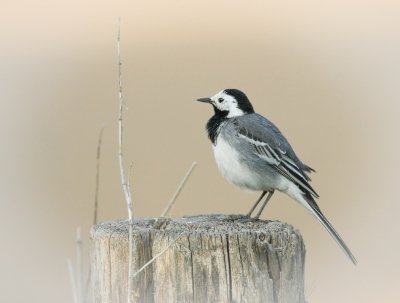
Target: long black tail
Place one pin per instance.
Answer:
(314, 209)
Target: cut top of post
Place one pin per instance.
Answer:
(206, 258)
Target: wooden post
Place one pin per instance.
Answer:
(216, 258)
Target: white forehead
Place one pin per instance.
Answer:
(224, 95)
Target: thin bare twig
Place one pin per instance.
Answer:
(79, 256)
(72, 280)
(96, 199)
(97, 176)
(159, 254)
(166, 210)
(121, 166)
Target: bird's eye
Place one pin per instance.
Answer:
(220, 100)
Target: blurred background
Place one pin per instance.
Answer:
(326, 73)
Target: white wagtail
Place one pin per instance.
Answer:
(252, 154)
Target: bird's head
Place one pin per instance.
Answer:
(230, 103)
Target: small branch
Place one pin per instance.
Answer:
(159, 254)
(166, 210)
(97, 176)
(96, 199)
(72, 280)
(121, 166)
(121, 162)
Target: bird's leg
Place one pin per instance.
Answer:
(255, 205)
(265, 203)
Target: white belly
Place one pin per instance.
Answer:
(229, 164)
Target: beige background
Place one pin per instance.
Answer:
(326, 72)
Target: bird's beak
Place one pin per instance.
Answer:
(205, 100)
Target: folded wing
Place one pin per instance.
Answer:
(273, 153)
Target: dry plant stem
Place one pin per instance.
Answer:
(159, 254)
(166, 210)
(96, 199)
(97, 176)
(121, 166)
(79, 254)
(72, 280)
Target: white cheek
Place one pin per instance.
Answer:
(235, 112)
(223, 106)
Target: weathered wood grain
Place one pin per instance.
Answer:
(217, 258)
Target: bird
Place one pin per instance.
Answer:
(254, 155)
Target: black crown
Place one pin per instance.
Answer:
(243, 102)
